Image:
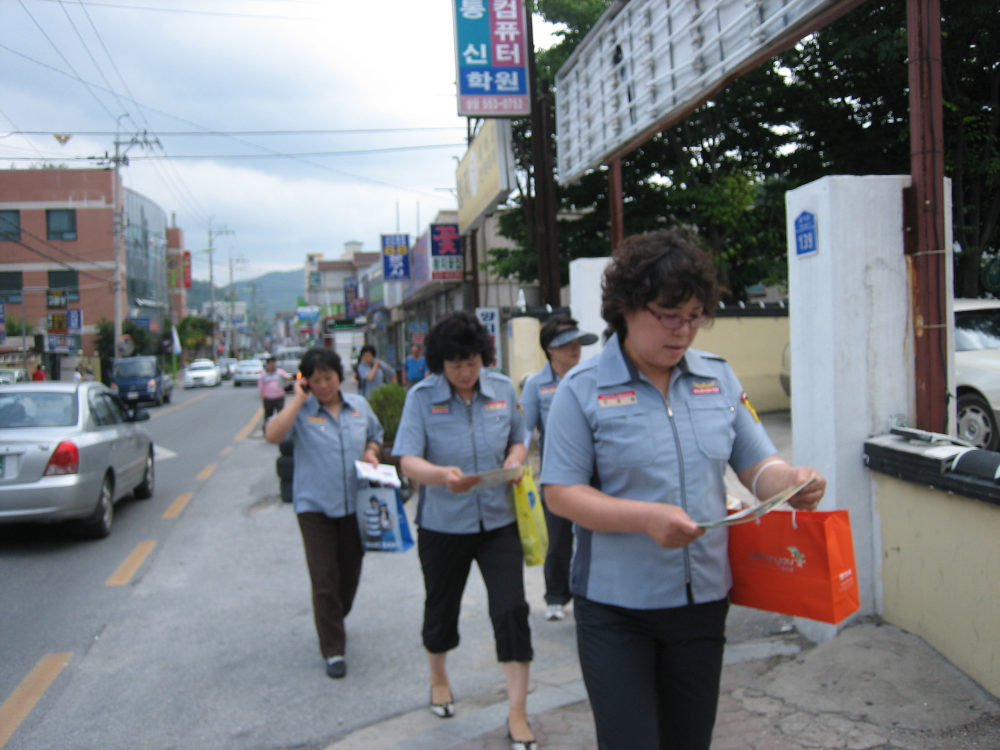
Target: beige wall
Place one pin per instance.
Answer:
(941, 573)
(753, 347)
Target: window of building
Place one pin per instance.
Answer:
(61, 224)
(10, 226)
(11, 283)
(66, 281)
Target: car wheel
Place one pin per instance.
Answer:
(145, 490)
(168, 396)
(976, 422)
(98, 525)
(159, 400)
(236, 384)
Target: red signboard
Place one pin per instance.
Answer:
(187, 269)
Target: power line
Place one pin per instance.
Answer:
(256, 156)
(253, 132)
(46, 242)
(68, 63)
(199, 12)
(240, 140)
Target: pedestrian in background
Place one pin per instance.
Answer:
(561, 341)
(636, 448)
(271, 384)
(331, 430)
(39, 374)
(78, 374)
(461, 420)
(371, 372)
(415, 368)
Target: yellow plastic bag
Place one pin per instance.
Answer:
(531, 519)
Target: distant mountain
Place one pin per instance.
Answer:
(278, 290)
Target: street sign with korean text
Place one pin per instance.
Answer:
(805, 234)
(351, 298)
(491, 51)
(395, 257)
(187, 269)
(57, 323)
(62, 344)
(3, 321)
(486, 174)
(74, 322)
(490, 318)
(446, 253)
(55, 300)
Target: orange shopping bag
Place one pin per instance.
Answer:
(796, 563)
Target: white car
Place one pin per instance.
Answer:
(202, 372)
(247, 372)
(977, 371)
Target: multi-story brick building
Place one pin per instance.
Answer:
(57, 234)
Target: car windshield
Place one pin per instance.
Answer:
(37, 409)
(138, 369)
(977, 329)
(202, 366)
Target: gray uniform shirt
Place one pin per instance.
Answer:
(324, 479)
(438, 426)
(365, 386)
(609, 426)
(536, 398)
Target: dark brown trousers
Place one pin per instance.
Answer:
(333, 554)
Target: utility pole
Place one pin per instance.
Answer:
(212, 234)
(119, 160)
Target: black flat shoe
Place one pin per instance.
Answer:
(443, 710)
(336, 667)
(520, 744)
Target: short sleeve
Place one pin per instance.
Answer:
(517, 423)
(531, 405)
(411, 435)
(752, 444)
(569, 442)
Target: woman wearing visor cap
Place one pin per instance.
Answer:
(561, 341)
(636, 447)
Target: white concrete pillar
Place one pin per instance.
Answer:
(585, 299)
(852, 346)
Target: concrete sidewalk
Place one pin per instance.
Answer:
(871, 687)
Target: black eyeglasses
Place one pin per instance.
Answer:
(673, 322)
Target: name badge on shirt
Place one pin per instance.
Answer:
(317, 420)
(548, 389)
(700, 389)
(495, 405)
(440, 409)
(355, 414)
(625, 398)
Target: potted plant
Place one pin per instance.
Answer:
(387, 403)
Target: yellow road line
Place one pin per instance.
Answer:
(175, 407)
(226, 451)
(250, 425)
(20, 703)
(178, 505)
(131, 564)
(206, 472)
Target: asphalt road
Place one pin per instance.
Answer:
(53, 597)
(210, 643)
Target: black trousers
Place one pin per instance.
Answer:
(446, 560)
(652, 675)
(273, 406)
(333, 554)
(559, 558)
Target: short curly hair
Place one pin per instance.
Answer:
(458, 335)
(321, 358)
(666, 267)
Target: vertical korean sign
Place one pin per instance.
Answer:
(187, 269)
(446, 253)
(491, 38)
(395, 257)
(3, 321)
(490, 318)
(351, 298)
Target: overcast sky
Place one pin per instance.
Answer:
(238, 65)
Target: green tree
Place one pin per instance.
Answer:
(146, 343)
(13, 325)
(195, 333)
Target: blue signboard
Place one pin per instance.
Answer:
(351, 298)
(74, 321)
(141, 322)
(395, 257)
(805, 234)
(492, 56)
(3, 322)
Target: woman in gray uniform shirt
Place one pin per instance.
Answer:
(636, 446)
(460, 420)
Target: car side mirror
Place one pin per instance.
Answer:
(140, 415)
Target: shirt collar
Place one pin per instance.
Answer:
(615, 367)
(548, 374)
(315, 407)
(442, 388)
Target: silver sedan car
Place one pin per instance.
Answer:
(70, 451)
